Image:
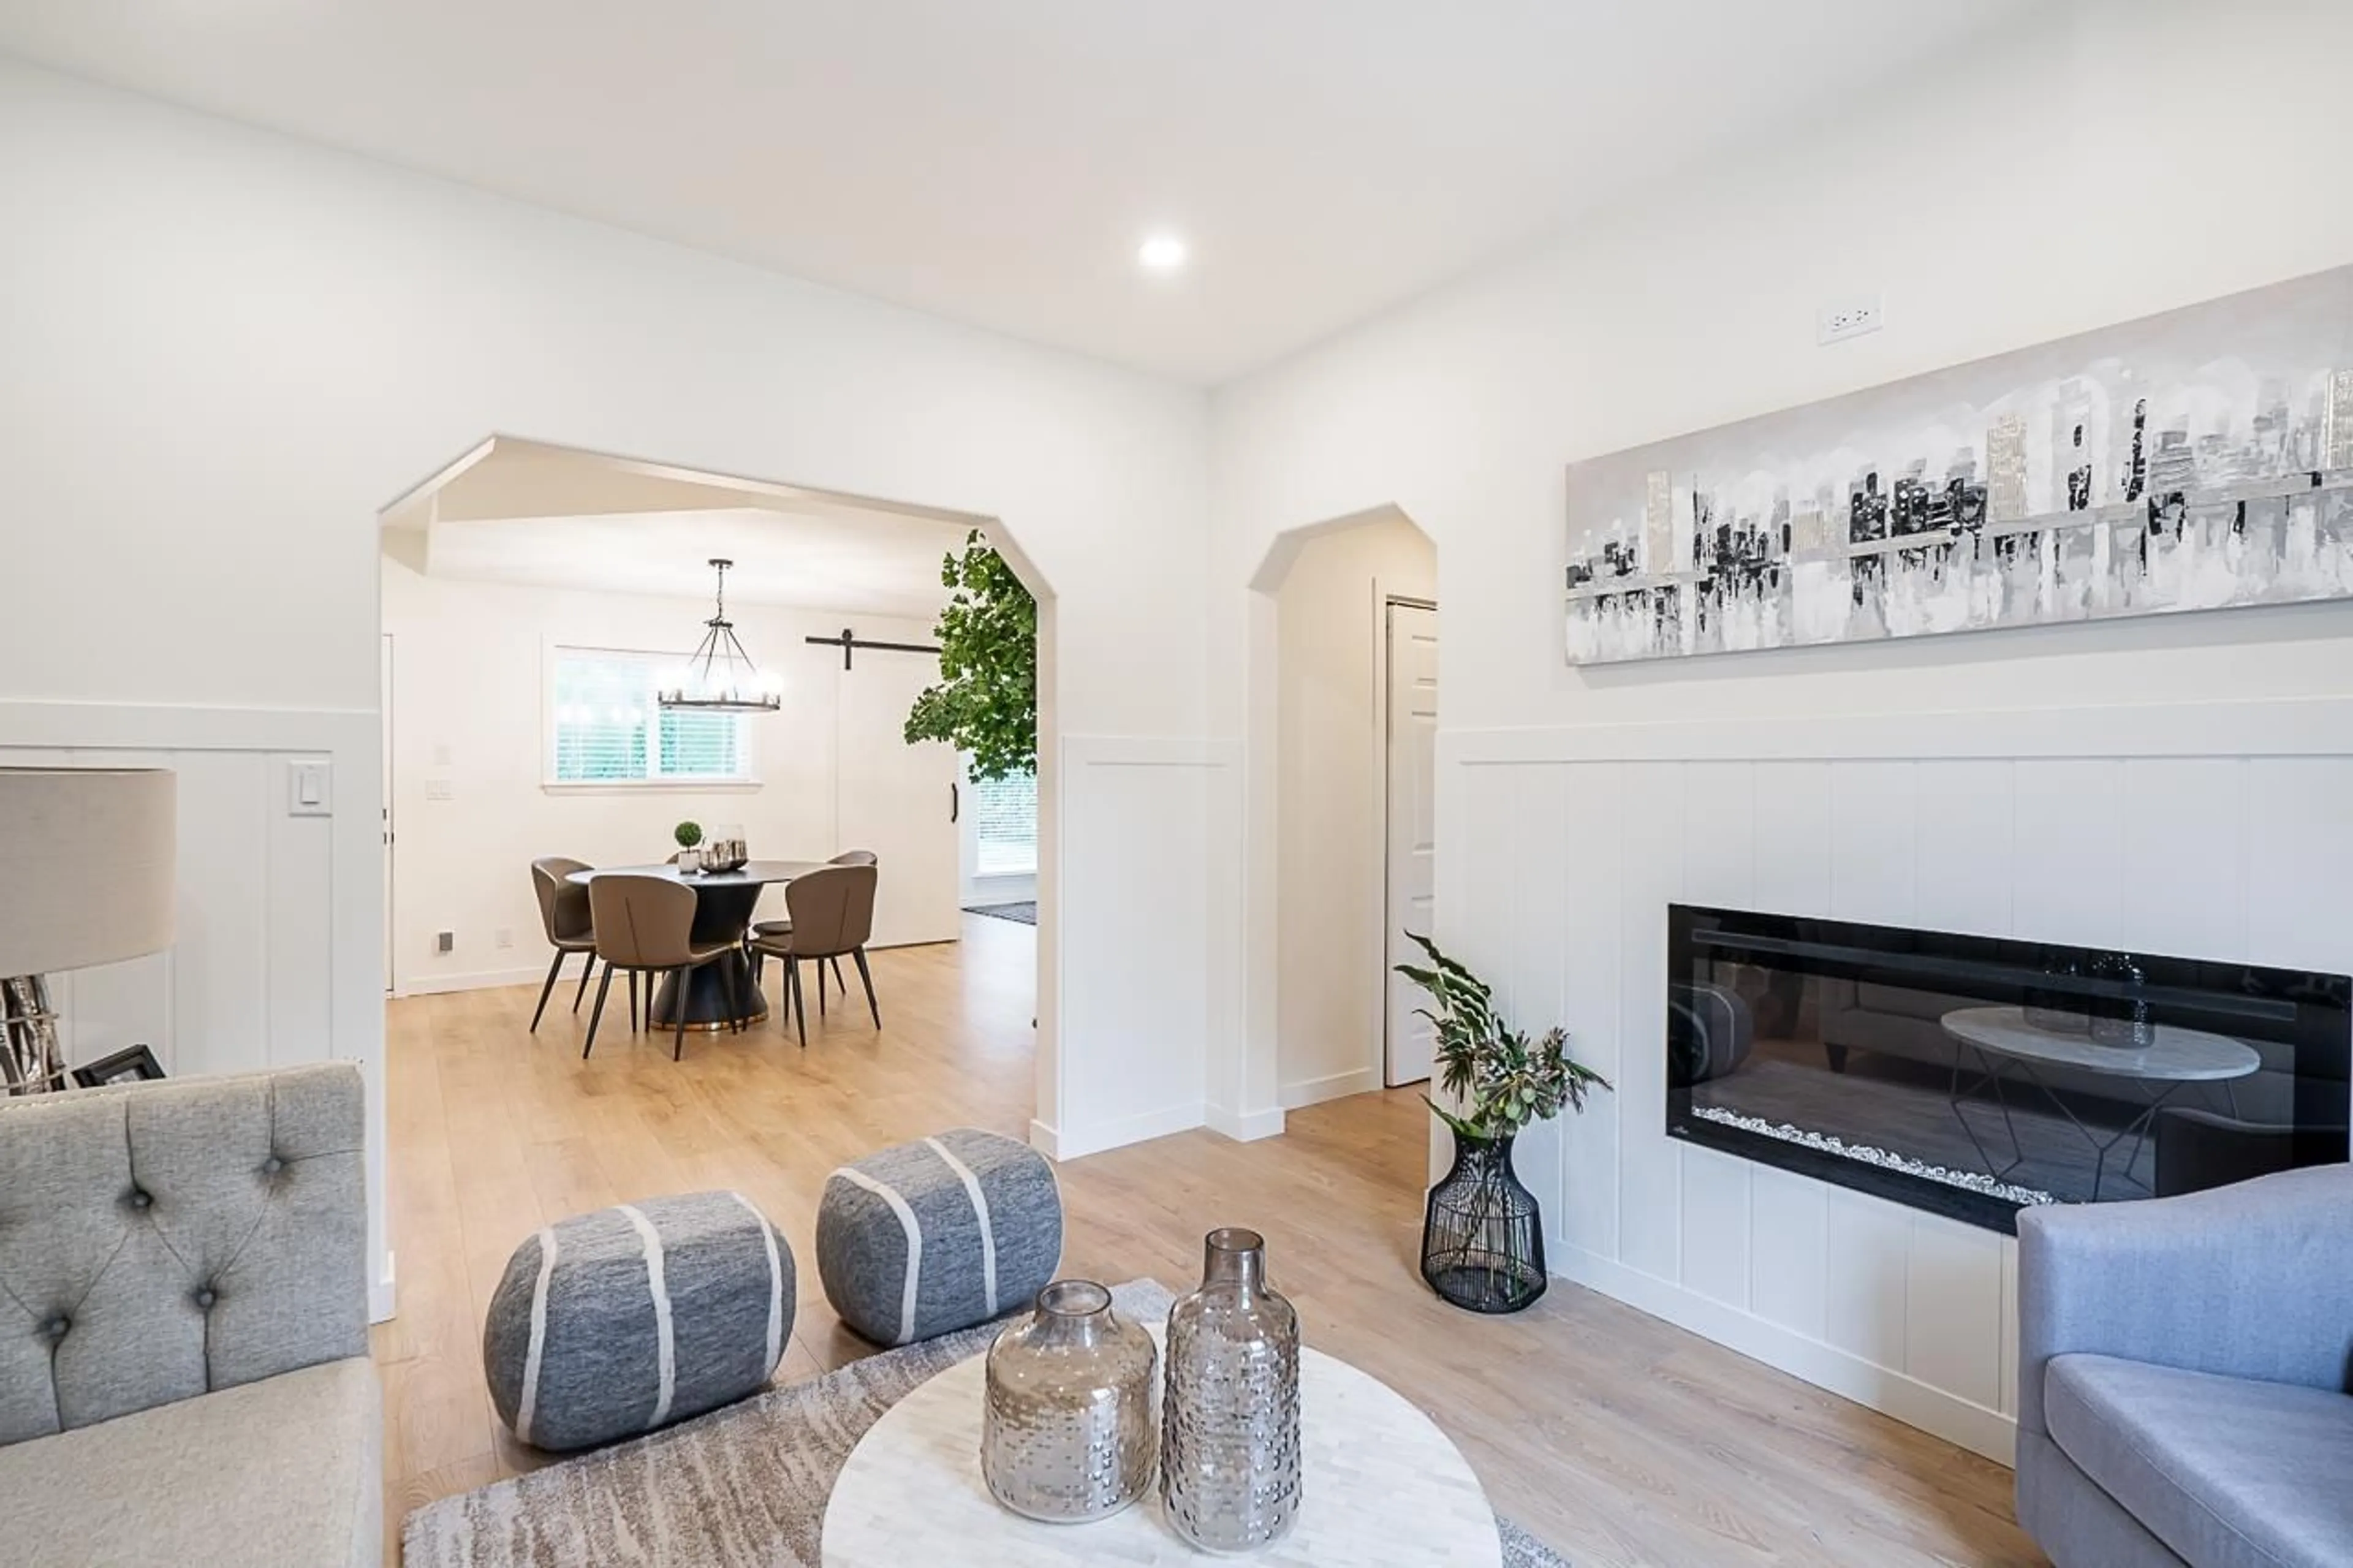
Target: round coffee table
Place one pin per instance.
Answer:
(2002, 1037)
(1383, 1488)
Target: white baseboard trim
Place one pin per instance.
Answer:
(1331, 1086)
(1045, 1139)
(1076, 1143)
(381, 1295)
(1245, 1126)
(1892, 1393)
(485, 980)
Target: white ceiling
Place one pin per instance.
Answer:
(1000, 161)
(521, 512)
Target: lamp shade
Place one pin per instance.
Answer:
(86, 865)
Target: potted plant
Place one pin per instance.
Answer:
(987, 701)
(1482, 1232)
(689, 835)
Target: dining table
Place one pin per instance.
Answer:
(723, 902)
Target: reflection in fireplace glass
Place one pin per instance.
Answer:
(1975, 1075)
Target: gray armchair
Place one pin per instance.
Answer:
(2182, 1377)
(184, 1371)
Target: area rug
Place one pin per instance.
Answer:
(741, 1488)
(1023, 913)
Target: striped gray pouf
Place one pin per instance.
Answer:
(938, 1235)
(616, 1323)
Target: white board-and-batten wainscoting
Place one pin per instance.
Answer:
(2214, 830)
(277, 933)
(1146, 854)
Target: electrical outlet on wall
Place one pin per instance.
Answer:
(502, 937)
(1849, 317)
(445, 942)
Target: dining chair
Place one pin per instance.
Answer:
(832, 912)
(781, 928)
(563, 915)
(645, 925)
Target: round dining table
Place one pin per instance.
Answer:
(723, 902)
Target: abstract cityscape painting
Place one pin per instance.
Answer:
(2199, 460)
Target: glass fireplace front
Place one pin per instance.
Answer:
(1974, 1075)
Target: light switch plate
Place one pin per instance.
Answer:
(309, 789)
(438, 789)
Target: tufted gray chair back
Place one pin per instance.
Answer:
(162, 1241)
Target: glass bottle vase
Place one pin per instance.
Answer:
(1482, 1234)
(1230, 1444)
(1067, 1433)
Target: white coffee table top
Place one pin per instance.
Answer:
(2177, 1056)
(1382, 1488)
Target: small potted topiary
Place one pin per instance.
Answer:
(689, 836)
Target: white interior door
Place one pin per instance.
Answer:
(1412, 676)
(898, 800)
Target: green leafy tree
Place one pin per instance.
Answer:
(986, 700)
(1502, 1081)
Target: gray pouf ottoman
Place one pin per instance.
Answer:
(938, 1235)
(616, 1323)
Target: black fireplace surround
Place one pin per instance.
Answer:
(1975, 1075)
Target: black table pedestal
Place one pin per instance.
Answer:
(722, 912)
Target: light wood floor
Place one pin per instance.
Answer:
(1618, 1438)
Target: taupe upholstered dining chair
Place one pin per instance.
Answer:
(832, 913)
(563, 916)
(645, 925)
(783, 927)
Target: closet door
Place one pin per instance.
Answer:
(898, 800)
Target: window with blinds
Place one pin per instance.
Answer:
(1004, 825)
(607, 728)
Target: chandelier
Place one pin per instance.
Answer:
(718, 675)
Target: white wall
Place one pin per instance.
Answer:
(2099, 162)
(223, 351)
(469, 709)
(1332, 718)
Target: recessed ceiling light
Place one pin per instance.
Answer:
(1162, 253)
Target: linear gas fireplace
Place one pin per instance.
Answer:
(1973, 1075)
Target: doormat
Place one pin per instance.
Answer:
(1025, 914)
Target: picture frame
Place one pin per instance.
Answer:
(134, 1064)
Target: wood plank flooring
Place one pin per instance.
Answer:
(1618, 1438)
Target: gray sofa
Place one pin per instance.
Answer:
(184, 1371)
(2182, 1377)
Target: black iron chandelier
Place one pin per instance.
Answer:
(718, 675)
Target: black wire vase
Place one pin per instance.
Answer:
(1482, 1234)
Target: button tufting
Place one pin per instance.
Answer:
(140, 1200)
(273, 1164)
(56, 1327)
(205, 1299)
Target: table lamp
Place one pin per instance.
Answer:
(86, 865)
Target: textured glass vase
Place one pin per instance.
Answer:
(1229, 1457)
(1067, 1433)
(1482, 1234)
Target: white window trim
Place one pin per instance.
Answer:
(746, 783)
